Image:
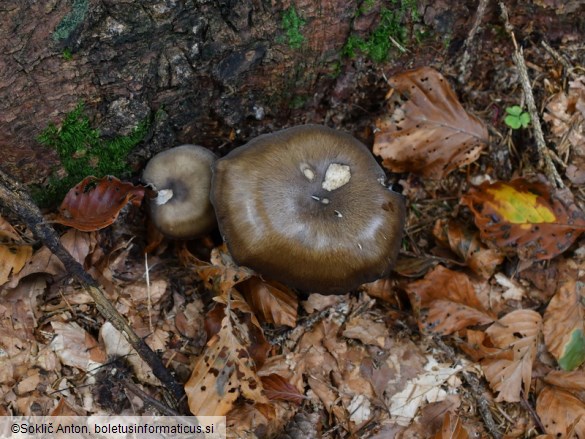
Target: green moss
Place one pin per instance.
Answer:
(391, 32)
(73, 19)
(292, 24)
(84, 152)
(66, 54)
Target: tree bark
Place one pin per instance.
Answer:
(221, 71)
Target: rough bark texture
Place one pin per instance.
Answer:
(221, 71)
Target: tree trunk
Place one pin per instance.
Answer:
(218, 72)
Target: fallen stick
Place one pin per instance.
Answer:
(15, 198)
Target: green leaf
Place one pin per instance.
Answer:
(574, 354)
(515, 110)
(525, 119)
(513, 122)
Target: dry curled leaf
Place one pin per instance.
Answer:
(95, 203)
(561, 413)
(447, 302)
(573, 382)
(526, 218)
(509, 370)
(566, 341)
(14, 251)
(271, 301)
(427, 130)
(223, 372)
(466, 244)
(278, 388)
(452, 428)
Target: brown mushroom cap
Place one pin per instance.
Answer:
(307, 206)
(182, 177)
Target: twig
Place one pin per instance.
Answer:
(469, 40)
(543, 152)
(559, 58)
(476, 390)
(15, 198)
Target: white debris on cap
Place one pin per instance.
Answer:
(336, 176)
(307, 172)
(163, 196)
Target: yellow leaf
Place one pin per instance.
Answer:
(526, 218)
(519, 207)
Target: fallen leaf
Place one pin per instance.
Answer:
(222, 273)
(466, 244)
(367, 331)
(14, 254)
(78, 244)
(509, 371)
(565, 113)
(513, 290)
(525, 218)
(223, 372)
(117, 346)
(278, 388)
(29, 383)
(72, 345)
(447, 302)
(96, 203)
(572, 381)
(425, 387)
(427, 130)
(476, 346)
(564, 327)
(452, 428)
(561, 413)
(272, 302)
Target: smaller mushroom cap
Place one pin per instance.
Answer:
(307, 206)
(182, 177)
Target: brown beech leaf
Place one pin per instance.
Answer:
(526, 218)
(257, 345)
(466, 244)
(427, 131)
(452, 428)
(277, 387)
(272, 302)
(510, 370)
(561, 413)
(223, 372)
(447, 302)
(95, 203)
(566, 340)
(222, 273)
(78, 244)
(572, 381)
(14, 253)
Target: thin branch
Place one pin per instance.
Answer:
(14, 197)
(543, 151)
(481, 8)
(477, 391)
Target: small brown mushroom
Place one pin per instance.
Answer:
(182, 177)
(307, 206)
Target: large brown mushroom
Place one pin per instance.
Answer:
(307, 206)
(182, 177)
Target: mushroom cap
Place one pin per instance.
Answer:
(182, 177)
(307, 206)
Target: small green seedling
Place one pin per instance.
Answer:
(517, 117)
